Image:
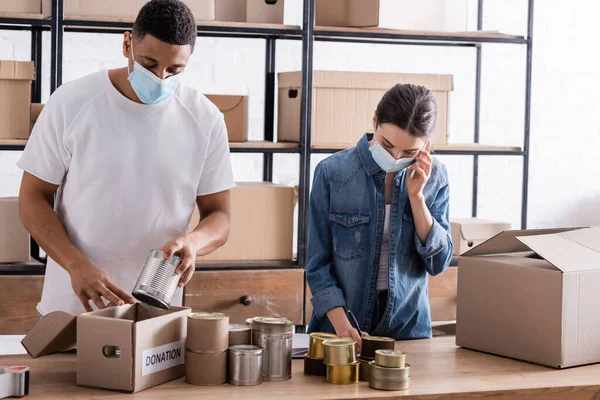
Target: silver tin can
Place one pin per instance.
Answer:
(157, 282)
(274, 336)
(245, 365)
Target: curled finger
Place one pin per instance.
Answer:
(186, 262)
(85, 302)
(99, 303)
(187, 276)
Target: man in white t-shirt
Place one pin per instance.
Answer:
(128, 152)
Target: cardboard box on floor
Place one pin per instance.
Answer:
(127, 11)
(36, 7)
(15, 99)
(470, 232)
(262, 224)
(533, 295)
(253, 11)
(14, 239)
(128, 348)
(235, 111)
(422, 15)
(344, 104)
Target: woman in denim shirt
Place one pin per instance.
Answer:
(378, 224)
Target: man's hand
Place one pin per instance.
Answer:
(89, 283)
(184, 247)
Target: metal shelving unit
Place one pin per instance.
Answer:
(308, 34)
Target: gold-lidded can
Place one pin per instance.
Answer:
(388, 374)
(315, 344)
(390, 358)
(365, 369)
(381, 384)
(370, 344)
(340, 351)
(343, 374)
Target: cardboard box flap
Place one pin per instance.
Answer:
(479, 229)
(507, 242)
(570, 251)
(364, 80)
(226, 103)
(17, 70)
(55, 333)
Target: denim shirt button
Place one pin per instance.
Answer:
(394, 209)
(393, 236)
(349, 221)
(381, 213)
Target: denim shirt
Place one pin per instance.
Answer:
(345, 231)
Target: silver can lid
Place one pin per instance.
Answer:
(272, 325)
(246, 349)
(238, 328)
(207, 315)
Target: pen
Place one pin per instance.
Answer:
(354, 322)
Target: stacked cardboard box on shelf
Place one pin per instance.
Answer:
(235, 111)
(344, 104)
(422, 15)
(262, 224)
(29, 7)
(252, 11)
(471, 232)
(15, 99)
(14, 239)
(533, 295)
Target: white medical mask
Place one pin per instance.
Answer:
(150, 88)
(386, 161)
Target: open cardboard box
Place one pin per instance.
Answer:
(128, 348)
(533, 295)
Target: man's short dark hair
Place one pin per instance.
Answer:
(170, 21)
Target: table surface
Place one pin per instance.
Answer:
(439, 370)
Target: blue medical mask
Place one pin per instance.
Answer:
(150, 88)
(386, 161)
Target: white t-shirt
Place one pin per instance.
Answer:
(384, 256)
(129, 175)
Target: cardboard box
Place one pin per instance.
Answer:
(129, 348)
(422, 15)
(254, 11)
(344, 104)
(235, 111)
(470, 232)
(36, 110)
(15, 99)
(533, 296)
(14, 238)
(262, 224)
(127, 11)
(37, 7)
(442, 295)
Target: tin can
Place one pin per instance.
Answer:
(239, 334)
(315, 344)
(197, 372)
(390, 358)
(157, 283)
(245, 365)
(380, 384)
(343, 374)
(207, 331)
(314, 366)
(339, 351)
(274, 336)
(365, 369)
(389, 374)
(370, 344)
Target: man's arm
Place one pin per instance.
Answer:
(211, 233)
(38, 217)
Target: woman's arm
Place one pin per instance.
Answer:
(328, 299)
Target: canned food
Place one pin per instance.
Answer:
(370, 344)
(315, 344)
(274, 336)
(390, 358)
(380, 384)
(197, 373)
(365, 369)
(158, 282)
(314, 366)
(389, 374)
(207, 331)
(245, 365)
(343, 374)
(239, 334)
(339, 351)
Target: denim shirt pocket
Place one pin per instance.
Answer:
(349, 236)
(407, 233)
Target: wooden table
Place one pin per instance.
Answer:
(439, 370)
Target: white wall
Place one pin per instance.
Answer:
(564, 188)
